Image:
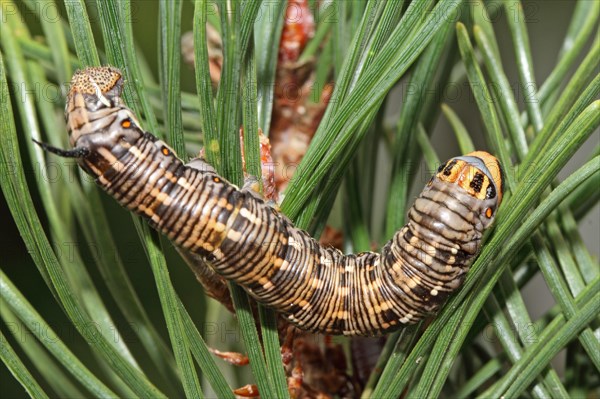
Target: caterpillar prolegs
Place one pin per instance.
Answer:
(245, 240)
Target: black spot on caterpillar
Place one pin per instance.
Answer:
(245, 240)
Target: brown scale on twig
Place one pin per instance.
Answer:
(298, 106)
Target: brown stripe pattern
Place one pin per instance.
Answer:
(243, 239)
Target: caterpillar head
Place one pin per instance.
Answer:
(101, 83)
(95, 113)
(479, 175)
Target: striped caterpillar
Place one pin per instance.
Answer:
(243, 239)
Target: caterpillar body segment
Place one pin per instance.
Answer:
(244, 239)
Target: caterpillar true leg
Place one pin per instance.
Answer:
(315, 287)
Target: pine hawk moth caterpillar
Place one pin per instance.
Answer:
(245, 240)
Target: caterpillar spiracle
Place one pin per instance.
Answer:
(245, 240)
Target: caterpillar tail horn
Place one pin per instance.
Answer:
(78, 152)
